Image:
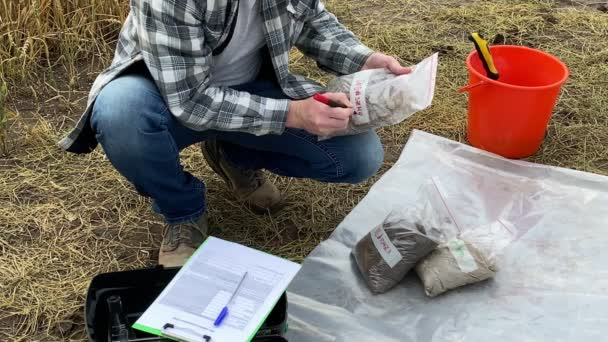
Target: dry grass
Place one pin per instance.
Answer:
(47, 33)
(65, 218)
(3, 120)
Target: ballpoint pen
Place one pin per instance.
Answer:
(224, 311)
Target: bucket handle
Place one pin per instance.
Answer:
(471, 86)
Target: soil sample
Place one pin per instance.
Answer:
(381, 98)
(451, 265)
(390, 251)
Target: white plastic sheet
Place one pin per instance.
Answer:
(552, 283)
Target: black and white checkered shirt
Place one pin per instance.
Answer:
(176, 38)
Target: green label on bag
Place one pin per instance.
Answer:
(463, 257)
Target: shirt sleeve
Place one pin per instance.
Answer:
(171, 34)
(331, 44)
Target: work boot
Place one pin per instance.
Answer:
(181, 240)
(249, 186)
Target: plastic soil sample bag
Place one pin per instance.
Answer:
(451, 265)
(382, 99)
(386, 254)
(491, 239)
(466, 255)
(458, 255)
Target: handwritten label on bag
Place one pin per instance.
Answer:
(385, 247)
(463, 257)
(357, 97)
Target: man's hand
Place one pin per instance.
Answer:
(378, 61)
(318, 118)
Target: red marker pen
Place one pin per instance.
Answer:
(324, 99)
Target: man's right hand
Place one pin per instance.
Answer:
(318, 118)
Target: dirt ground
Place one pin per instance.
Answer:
(66, 218)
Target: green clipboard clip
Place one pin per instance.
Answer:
(483, 50)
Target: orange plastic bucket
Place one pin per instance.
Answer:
(510, 116)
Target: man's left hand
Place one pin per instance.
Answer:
(378, 61)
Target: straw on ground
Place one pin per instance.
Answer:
(65, 218)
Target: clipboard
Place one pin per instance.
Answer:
(188, 306)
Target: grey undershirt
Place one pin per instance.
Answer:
(241, 60)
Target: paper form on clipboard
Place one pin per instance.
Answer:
(189, 305)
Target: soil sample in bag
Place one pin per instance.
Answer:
(390, 251)
(453, 264)
(381, 98)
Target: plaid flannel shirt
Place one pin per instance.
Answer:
(176, 38)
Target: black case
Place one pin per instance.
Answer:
(138, 289)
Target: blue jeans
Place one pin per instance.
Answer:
(143, 140)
